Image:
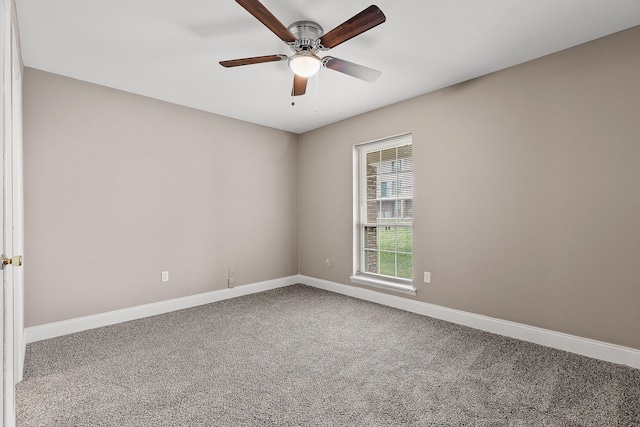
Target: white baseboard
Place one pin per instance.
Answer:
(583, 346)
(52, 330)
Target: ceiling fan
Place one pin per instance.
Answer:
(306, 39)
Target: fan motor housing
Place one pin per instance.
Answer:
(307, 34)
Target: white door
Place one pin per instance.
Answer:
(11, 300)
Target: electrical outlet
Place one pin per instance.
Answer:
(330, 262)
(232, 271)
(165, 276)
(427, 277)
(231, 282)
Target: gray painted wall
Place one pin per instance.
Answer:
(527, 192)
(119, 187)
(526, 195)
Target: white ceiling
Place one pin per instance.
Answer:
(169, 50)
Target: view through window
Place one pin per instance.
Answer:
(385, 209)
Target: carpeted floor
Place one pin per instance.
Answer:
(302, 356)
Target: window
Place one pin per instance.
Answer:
(384, 214)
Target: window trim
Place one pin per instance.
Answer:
(358, 277)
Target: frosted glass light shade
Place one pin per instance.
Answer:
(305, 64)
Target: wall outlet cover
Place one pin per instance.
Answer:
(165, 276)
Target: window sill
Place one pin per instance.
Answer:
(384, 284)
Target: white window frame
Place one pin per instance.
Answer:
(359, 207)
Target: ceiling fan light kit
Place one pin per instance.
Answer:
(305, 64)
(306, 39)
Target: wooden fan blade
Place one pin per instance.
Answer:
(364, 21)
(253, 60)
(261, 13)
(350, 68)
(299, 85)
